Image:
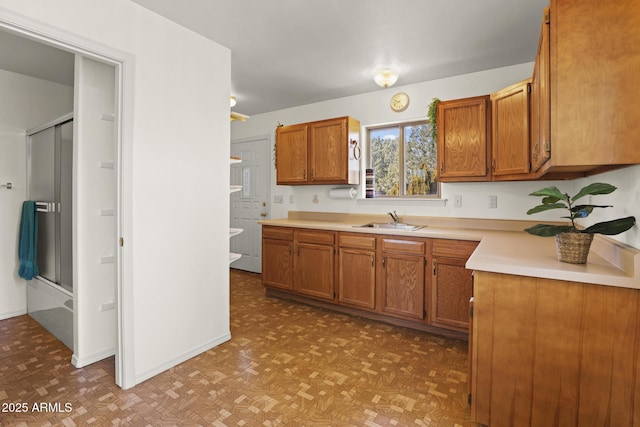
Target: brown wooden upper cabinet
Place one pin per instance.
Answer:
(322, 152)
(540, 100)
(510, 132)
(593, 102)
(464, 139)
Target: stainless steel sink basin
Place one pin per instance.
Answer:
(392, 225)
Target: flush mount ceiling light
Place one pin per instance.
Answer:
(232, 101)
(386, 77)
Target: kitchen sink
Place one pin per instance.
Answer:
(391, 225)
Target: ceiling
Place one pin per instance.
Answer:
(286, 53)
(24, 56)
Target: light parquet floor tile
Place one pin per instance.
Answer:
(287, 365)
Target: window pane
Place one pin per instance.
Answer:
(385, 160)
(419, 161)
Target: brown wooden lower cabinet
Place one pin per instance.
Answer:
(277, 257)
(357, 270)
(554, 353)
(403, 285)
(382, 277)
(452, 284)
(314, 263)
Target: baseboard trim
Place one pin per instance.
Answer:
(182, 358)
(80, 362)
(371, 315)
(10, 314)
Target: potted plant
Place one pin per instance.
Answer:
(432, 115)
(572, 241)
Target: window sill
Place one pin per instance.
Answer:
(429, 201)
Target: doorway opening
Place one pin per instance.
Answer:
(110, 69)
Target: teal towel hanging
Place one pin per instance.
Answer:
(27, 247)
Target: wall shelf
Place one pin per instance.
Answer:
(234, 231)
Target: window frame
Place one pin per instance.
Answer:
(401, 126)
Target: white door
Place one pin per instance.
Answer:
(251, 203)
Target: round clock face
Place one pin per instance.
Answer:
(399, 101)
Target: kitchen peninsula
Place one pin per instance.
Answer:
(550, 340)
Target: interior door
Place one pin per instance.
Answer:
(251, 203)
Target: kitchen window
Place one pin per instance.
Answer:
(403, 158)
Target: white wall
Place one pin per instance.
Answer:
(373, 108)
(25, 103)
(179, 176)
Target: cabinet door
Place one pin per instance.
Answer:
(541, 101)
(277, 263)
(356, 278)
(510, 130)
(452, 288)
(291, 154)
(403, 285)
(315, 270)
(463, 141)
(329, 148)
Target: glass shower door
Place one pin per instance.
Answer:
(51, 174)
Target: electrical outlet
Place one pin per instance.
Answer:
(291, 199)
(493, 202)
(457, 201)
(278, 198)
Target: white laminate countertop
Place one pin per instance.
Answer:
(503, 247)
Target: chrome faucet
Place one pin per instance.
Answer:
(394, 217)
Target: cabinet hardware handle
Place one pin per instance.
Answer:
(372, 260)
(434, 268)
(298, 250)
(384, 262)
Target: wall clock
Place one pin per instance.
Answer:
(399, 102)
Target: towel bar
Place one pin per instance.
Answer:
(46, 206)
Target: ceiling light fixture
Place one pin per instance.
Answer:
(386, 77)
(232, 101)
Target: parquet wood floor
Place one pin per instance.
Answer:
(287, 365)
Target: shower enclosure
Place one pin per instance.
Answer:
(50, 176)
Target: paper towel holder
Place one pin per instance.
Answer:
(343, 193)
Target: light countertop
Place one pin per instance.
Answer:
(504, 247)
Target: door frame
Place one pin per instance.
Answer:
(124, 64)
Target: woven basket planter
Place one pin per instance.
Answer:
(573, 247)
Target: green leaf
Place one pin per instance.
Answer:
(550, 192)
(593, 189)
(541, 208)
(547, 200)
(613, 227)
(547, 230)
(583, 211)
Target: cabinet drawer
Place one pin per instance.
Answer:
(453, 248)
(279, 233)
(357, 241)
(311, 236)
(404, 246)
